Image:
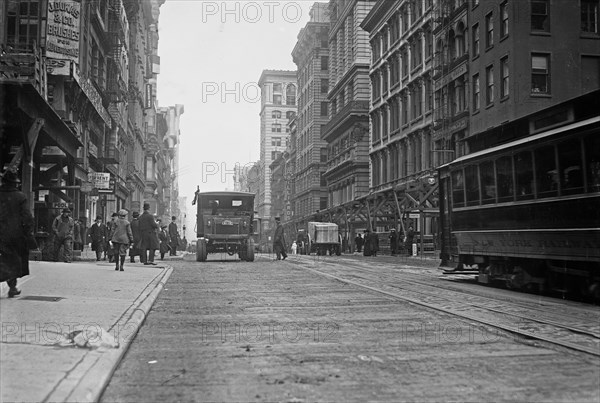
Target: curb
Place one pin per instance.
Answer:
(88, 379)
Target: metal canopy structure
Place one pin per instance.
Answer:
(392, 207)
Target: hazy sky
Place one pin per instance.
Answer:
(210, 46)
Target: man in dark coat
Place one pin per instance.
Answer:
(279, 240)
(137, 239)
(149, 240)
(63, 227)
(359, 241)
(174, 236)
(16, 222)
(410, 236)
(393, 242)
(367, 243)
(98, 237)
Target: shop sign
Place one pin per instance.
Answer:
(112, 184)
(53, 150)
(453, 75)
(86, 187)
(63, 30)
(148, 104)
(60, 205)
(99, 180)
(93, 96)
(58, 67)
(413, 215)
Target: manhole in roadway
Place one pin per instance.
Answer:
(41, 298)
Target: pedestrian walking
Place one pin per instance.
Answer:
(63, 227)
(110, 230)
(137, 238)
(98, 237)
(149, 241)
(164, 246)
(16, 236)
(173, 236)
(122, 237)
(359, 242)
(393, 242)
(279, 240)
(408, 240)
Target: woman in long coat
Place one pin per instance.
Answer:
(16, 223)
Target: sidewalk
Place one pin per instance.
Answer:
(37, 362)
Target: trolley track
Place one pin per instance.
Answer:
(576, 328)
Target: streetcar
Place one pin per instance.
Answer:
(526, 213)
(225, 224)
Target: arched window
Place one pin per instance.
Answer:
(290, 115)
(452, 44)
(276, 114)
(290, 94)
(460, 39)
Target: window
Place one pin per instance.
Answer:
(540, 16)
(289, 115)
(475, 40)
(489, 30)
(458, 189)
(22, 24)
(324, 85)
(276, 87)
(323, 108)
(504, 179)
(570, 162)
(276, 128)
(276, 141)
(546, 173)
(404, 56)
(504, 17)
(428, 43)
(274, 155)
(540, 74)
(524, 171)
(276, 114)
(324, 62)
(476, 90)
(472, 185)
(489, 85)
(290, 95)
(589, 16)
(277, 99)
(504, 71)
(488, 182)
(592, 161)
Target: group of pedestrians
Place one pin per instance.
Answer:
(142, 237)
(369, 244)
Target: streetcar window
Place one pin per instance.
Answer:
(488, 182)
(472, 185)
(592, 162)
(524, 170)
(569, 159)
(504, 171)
(546, 172)
(458, 189)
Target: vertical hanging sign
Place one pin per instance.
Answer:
(62, 40)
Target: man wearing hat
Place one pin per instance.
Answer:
(393, 242)
(98, 237)
(62, 227)
(16, 223)
(149, 238)
(137, 238)
(174, 236)
(279, 240)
